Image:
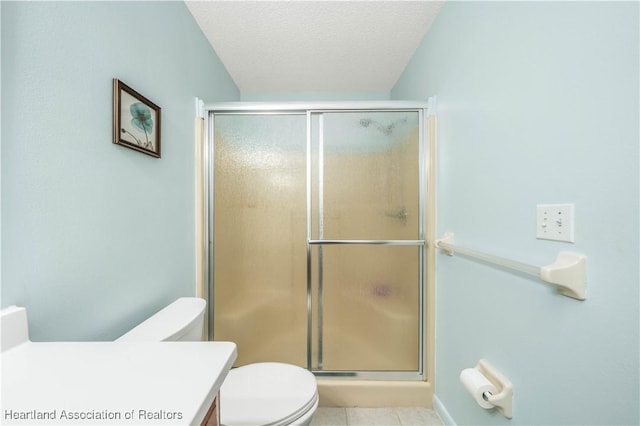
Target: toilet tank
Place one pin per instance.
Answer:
(181, 320)
(14, 327)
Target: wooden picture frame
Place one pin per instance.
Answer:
(136, 120)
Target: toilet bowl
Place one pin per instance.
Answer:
(264, 393)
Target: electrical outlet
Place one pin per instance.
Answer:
(555, 222)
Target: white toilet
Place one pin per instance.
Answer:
(265, 393)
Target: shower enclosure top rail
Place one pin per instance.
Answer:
(315, 106)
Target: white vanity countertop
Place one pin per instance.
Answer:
(134, 383)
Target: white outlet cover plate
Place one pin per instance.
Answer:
(555, 222)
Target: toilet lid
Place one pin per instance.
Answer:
(266, 393)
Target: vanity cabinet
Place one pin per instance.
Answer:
(212, 418)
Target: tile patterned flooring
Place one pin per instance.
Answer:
(401, 416)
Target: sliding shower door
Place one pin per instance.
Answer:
(259, 214)
(318, 239)
(366, 241)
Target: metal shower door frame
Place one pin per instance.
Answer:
(310, 109)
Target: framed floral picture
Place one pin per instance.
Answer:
(136, 120)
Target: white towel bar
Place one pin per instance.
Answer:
(567, 272)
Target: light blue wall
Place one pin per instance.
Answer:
(537, 103)
(313, 96)
(96, 236)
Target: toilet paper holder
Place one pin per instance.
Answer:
(503, 399)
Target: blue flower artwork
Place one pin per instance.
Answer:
(137, 120)
(141, 117)
(142, 120)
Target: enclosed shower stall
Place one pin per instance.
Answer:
(317, 236)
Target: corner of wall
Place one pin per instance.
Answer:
(442, 412)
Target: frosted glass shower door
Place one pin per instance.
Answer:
(367, 244)
(317, 232)
(259, 272)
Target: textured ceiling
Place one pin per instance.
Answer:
(314, 46)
